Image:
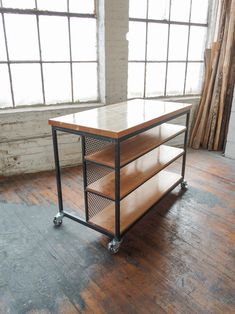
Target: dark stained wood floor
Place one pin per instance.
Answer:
(180, 258)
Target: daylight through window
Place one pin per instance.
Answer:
(47, 52)
(166, 46)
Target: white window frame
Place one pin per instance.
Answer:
(36, 12)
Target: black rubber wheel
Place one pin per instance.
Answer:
(57, 222)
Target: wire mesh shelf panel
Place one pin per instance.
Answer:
(96, 204)
(95, 172)
(93, 145)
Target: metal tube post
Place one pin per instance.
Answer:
(185, 145)
(57, 169)
(117, 190)
(84, 169)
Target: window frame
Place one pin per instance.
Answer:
(37, 12)
(186, 61)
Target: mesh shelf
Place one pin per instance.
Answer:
(95, 172)
(96, 204)
(94, 145)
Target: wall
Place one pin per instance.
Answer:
(25, 137)
(230, 145)
(26, 142)
(113, 25)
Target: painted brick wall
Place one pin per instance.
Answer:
(26, 141)
(25, 137)
(113, 25)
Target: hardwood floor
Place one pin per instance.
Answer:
(180, 258)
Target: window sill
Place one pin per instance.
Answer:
(32, 109)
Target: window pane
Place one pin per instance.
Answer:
(57, 83)
(136, 39)
(22, 4)
(85, 81)
(27, 86)
(194, 78)
(83, 42)
(54, 38)
(157, 41)
(180, 10)
(22, 37)
(197, 42)
(175, 78)
(135, 80)
(81, 6)
(138, 8)
(199, 11)
(5, 94)
(178, 42)
(159, 9)
(3, 55)
(52, 5)
(155, 79)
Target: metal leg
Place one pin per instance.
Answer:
(114, 245)
(84, 168)
(184, 184)
(58, 218)
(117, 190)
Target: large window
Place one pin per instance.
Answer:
(47, 52)
(166, 46)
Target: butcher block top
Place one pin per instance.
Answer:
(118, 120)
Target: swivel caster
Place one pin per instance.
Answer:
(184, 185)
(113, 246)
(58, 219)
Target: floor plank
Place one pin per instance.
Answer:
(180, 258)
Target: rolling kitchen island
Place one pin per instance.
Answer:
(124, 161)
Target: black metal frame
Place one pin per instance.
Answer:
(117, 236)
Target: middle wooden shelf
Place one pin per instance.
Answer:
(137, 145)
(136, 173)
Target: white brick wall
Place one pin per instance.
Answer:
(230, 145)
(26, 141)
(25, 137)
(113, 50)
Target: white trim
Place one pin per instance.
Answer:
(44, 108)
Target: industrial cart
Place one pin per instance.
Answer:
(124, 162)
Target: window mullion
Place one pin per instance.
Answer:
(40, 56)
(8, 60)
(186, 65)
(146, 48)
(167, 51)
(70, 53)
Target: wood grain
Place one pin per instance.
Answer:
(137, 203)
(137, 172)
(178, 259)
(116, 121)
(137, 145)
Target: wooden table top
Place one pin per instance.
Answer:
(118, 120)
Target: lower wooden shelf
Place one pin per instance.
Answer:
(138, 202)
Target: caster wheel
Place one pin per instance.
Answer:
(58, 220)
(184, 185)
(114, 246)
